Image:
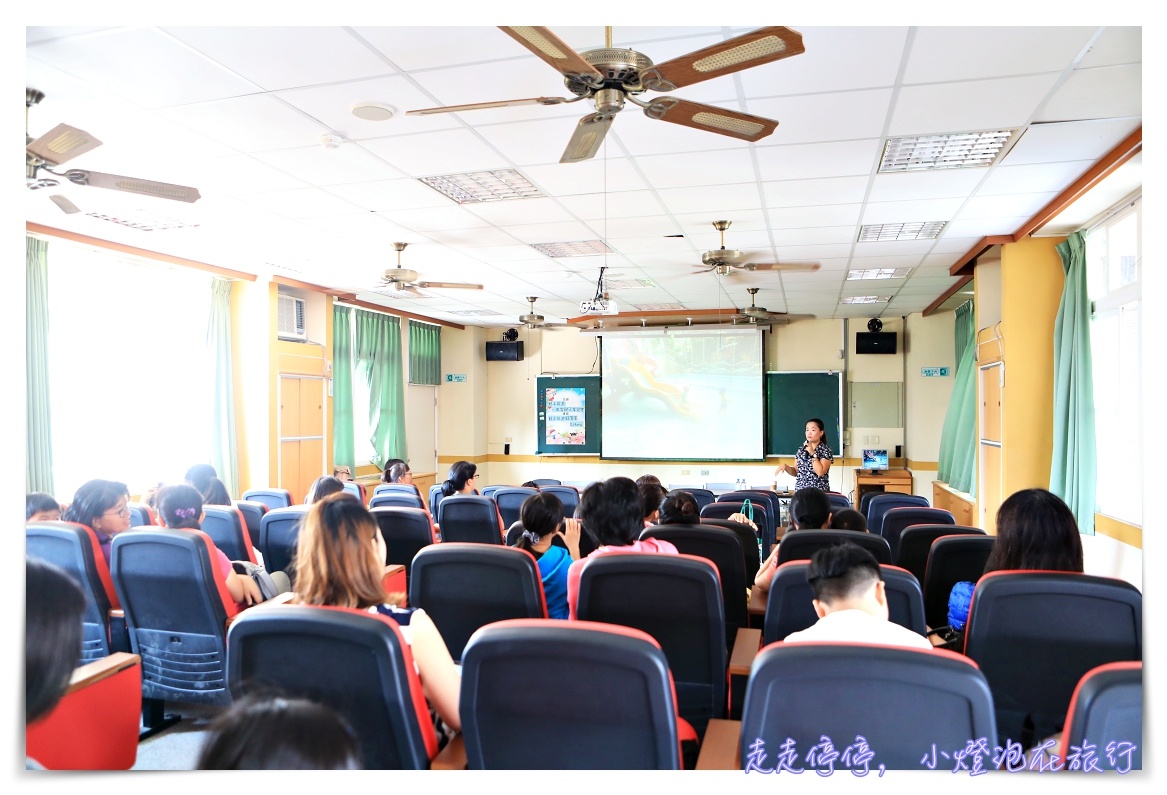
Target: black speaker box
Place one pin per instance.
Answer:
(875, 342)
(504, 351)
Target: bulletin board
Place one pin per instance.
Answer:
(567, 409)
(793, 398)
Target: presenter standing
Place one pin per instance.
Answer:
(813, 459)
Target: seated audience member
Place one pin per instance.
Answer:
(680, 507)
(342, 473)
(542, 518)
(321, 488)
(810, 509)
(200, 476)
(1035, 530)
(400, 473)
(53, 608)
(612, 514)
(530, 484)
(848, 519)
(276, 733)
(652, 494)
(462, 480)
(640, 481)
(386, 474)
(216, 493)
(180, 507)
(103, 506)
(851, 601)
(340, 559)
(41, 507)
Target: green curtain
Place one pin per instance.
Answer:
(223, 441)
(425, 353)
(342, 388)
(958, 439)
(38, 427)
(1074, 470)
(377, 352)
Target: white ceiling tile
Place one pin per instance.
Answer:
(649, 244)
(836, 59)
(461, 238)
(256, 123)
(528, 143)
(1081, 140)
(506, 255)
(176, 76)
(802, 192)
(1005, 206)
(1115, 45)
(436, 218)
(916, 185)
(935, 53)
(952, 243)
(725, 197)
(523, 78)
(832, 236)
(436, 153)
(817, 117)
(812, 161)
(893, 248)
(720, 167)
(984, 227)
(392, 194)
(815, 216)
(1106, 91)
(813, 253)
(299, 202)
(1022, 179)
(413, 48)
(332, 105)
(641, 226)
(38, 33)
(361, 226)
(320, 166)
(243, 174)
(613, 205)
(551, 233)
(887, 261)
(515, 211)
(590, 176)
(973, 105)
(911, 211)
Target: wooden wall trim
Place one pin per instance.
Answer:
(121, 248)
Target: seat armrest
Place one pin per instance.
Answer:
(745, 649)
(91, 673)
(452, 757)
(720, 750)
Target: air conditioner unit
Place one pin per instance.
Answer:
(290, 318)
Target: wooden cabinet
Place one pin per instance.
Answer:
(898, 481)
(961, 506)
(301, 424)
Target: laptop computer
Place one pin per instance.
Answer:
(874, 460)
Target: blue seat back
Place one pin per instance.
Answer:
(916, 541)
(509, 500)
(471, 518)
(400, 499)
(406, 531)
(882, 503)
(272, 497)
(801, 544)
(896, 519)
(224, 524)
(568, 495)
(278, 532)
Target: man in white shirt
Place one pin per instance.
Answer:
(851, 602)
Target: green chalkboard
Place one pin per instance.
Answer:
(567, 415)
(792, 399)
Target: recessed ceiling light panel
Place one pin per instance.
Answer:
(935, 152)
(628, 284)
(915, 230)
(865, 299)
(575, 248)
(879, 273)
(483, 186)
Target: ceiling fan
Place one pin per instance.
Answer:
(609, 76)
(533, 320)
(63, 143)
(406, 280)
(725, 261)
(758, 314)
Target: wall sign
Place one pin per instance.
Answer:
(455, 378)
(933, 372)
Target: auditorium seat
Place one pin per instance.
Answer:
(464, 586)
(74, 548)
(916, 542)
(839, 502)
(406, 532)
(140, 515)
(896, 519)
(801, 544)
(751, 547)
(762, 518)
(252, 515)
(952, 559)
(470, 518)
(509, 500)
(568, 495)
(1035, 634)
(408, 488)
(604, 699)
(226, 527)
(1107, 707)
(883, 502)
(355, 489)
(399, 499)
(278, 531)
(541, 482)
(703, 496)
(352, 661)
(271, 497)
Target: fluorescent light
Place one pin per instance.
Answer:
(628, 284)
(475, 312)
(915, 230)
(483, 186)
(951, 150)
(865, 299)
(879, 273)
(576, 248)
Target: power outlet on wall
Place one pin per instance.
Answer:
(704, 471)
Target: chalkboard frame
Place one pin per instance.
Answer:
(801, 396)
(592, 414)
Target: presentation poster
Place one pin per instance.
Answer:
(566, 416)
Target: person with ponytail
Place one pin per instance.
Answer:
(463, 478)
(542, 518)
(180, 507)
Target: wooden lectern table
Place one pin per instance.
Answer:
(898, 481)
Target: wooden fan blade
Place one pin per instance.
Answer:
(742, 52)
(449, 285)
(61, 144)
(782, 266)
(710, 118)
(146, 187)
(64, 203)
(409, 288)
(502, 103)
(556, 52)
(587, 138)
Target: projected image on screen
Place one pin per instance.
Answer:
(691, 394)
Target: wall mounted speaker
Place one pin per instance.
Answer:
(875, 342)
(504, 351)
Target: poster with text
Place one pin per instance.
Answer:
(565, 416)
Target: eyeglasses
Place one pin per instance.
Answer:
(124, 511)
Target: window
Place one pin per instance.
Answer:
(1114, 275)
(130, 370)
